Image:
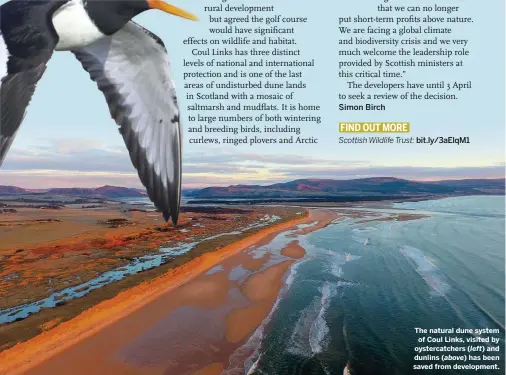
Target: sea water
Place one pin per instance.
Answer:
(354, 302)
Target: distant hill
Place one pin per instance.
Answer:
(7, 190)
(302, 188)
(103, 191)
(376, 186)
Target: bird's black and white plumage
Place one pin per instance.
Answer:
(129, 64)
(27, 42)
(133, 76)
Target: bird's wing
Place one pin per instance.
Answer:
(131, 68)
(27, 42)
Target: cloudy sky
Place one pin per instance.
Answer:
(68, 138)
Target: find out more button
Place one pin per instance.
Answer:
(374, 127)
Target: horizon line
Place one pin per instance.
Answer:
(268, 184)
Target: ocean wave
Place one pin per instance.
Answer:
(337, 262)
(299, 340)
(351, 257)
(310, 333)
(319, 329)
(246, 356)
(427, 271)
(254, 366)
(336, 269)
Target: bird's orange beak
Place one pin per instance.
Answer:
(167, 8)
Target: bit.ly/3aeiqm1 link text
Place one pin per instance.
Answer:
(419, 140)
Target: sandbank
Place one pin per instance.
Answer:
(27, 355)
(294, 250)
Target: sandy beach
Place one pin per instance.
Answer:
(57, 256)
(188, 321)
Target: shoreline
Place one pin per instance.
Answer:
(207, 325)
(34, 280)
(26, 355)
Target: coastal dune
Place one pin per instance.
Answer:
(187, 321)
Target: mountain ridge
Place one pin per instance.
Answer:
(299, 188)
(102, 191)
(374, 186)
